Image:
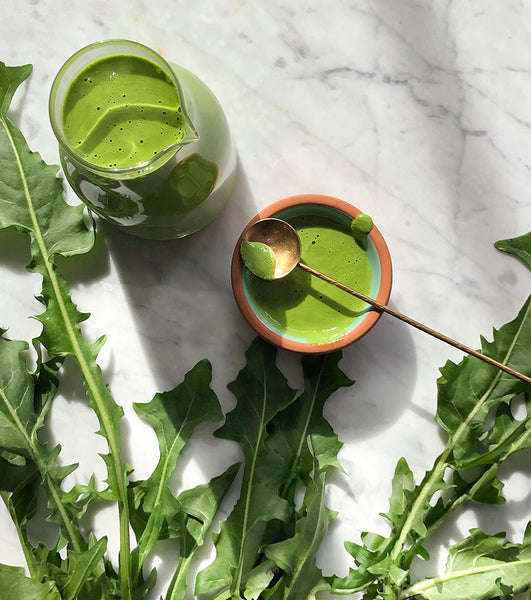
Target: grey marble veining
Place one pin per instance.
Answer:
(415, 112)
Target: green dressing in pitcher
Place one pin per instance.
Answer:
(121, 111)
(144, 143)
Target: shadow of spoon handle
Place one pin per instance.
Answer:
(440, 336)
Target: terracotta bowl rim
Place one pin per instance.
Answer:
(372, 316)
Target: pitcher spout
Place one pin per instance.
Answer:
(190, 133)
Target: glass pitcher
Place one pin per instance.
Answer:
(144, 143)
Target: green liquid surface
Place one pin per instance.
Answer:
(122, 110)
(305, 307)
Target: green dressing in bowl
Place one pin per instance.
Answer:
(303, 307)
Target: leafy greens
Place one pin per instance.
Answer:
(266, 548)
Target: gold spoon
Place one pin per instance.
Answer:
(284, 242)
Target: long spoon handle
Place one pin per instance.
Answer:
(444, 338)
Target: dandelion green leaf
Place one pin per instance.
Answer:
(202, 501)
(173, 415)
(519, 246)
(474, 401)
(259, 580)
(322, 378)
(467, 392)
(262, 392)
(480, 567)
(296, 555)
(199, 506)
(16, 477)
(504, 437)
(275, 438)
(19, 424)
(11, 78)
(31, 201)
(15, 585)
(82, 566)
(17, 415)
(31, 193)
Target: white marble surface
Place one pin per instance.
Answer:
(417, 112)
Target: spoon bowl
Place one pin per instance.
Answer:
(283, 241)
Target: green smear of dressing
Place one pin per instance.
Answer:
(120, 111)
(303, 306)
(258, 258)
(361, 226)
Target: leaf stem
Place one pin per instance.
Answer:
(455, 504)
(426, 584)
(438, 470)
(237, 580)
(95, 389)
(26, 548)
(177, 585)
(49, 483)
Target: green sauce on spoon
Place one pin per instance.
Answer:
(258, 258)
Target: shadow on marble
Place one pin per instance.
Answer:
(384, 366)
(180, 298)
(179, 291)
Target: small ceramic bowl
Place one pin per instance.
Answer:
(379, 260)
